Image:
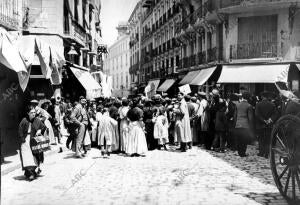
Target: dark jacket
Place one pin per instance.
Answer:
(36, 125)
(244, 116)
(221, 120)
(265, 110)
(230, 114)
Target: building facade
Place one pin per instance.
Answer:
(117, 62)
(160, 51)
(68, 25)
(134, 22)
(11, 94)
(183, 39)
(61, 26)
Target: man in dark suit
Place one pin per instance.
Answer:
(266, 114)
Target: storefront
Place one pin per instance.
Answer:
(203, 79)
(258, 78)
(79, 82)
(13, 81)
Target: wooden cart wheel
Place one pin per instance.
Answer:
(285, 157)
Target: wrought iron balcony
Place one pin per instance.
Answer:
(76, 32)
(229, 6)
(9, 16)
(254, 50)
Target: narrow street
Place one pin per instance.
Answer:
(162, 177)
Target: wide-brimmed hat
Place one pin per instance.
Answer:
(202, 93)
(215, 92)
(34, 101)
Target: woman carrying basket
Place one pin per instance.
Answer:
(29, 128)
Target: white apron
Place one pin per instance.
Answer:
(27, 158)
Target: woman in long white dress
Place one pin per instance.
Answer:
(123, 123)
(136, 139)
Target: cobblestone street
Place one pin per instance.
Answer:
(194, 177)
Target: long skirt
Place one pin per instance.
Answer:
(123, 127)
(26, 155)
(136, 140)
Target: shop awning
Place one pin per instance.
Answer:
(50, 57)
(189, 77)
(93, 89)
(203, 76)
(166, 85)
(254, 73)
(10, 57)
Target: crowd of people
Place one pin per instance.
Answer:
(134, 126)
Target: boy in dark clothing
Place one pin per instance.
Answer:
(220, 127)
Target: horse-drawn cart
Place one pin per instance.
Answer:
(285, 155)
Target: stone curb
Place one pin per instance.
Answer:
(7, 170)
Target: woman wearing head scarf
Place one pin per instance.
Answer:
(29, 127)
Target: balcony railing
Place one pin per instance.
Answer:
(254, 50)
(230, 3)
(9, 16)
(76, 31)
(190, 19)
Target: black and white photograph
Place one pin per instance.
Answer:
(150, 102)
